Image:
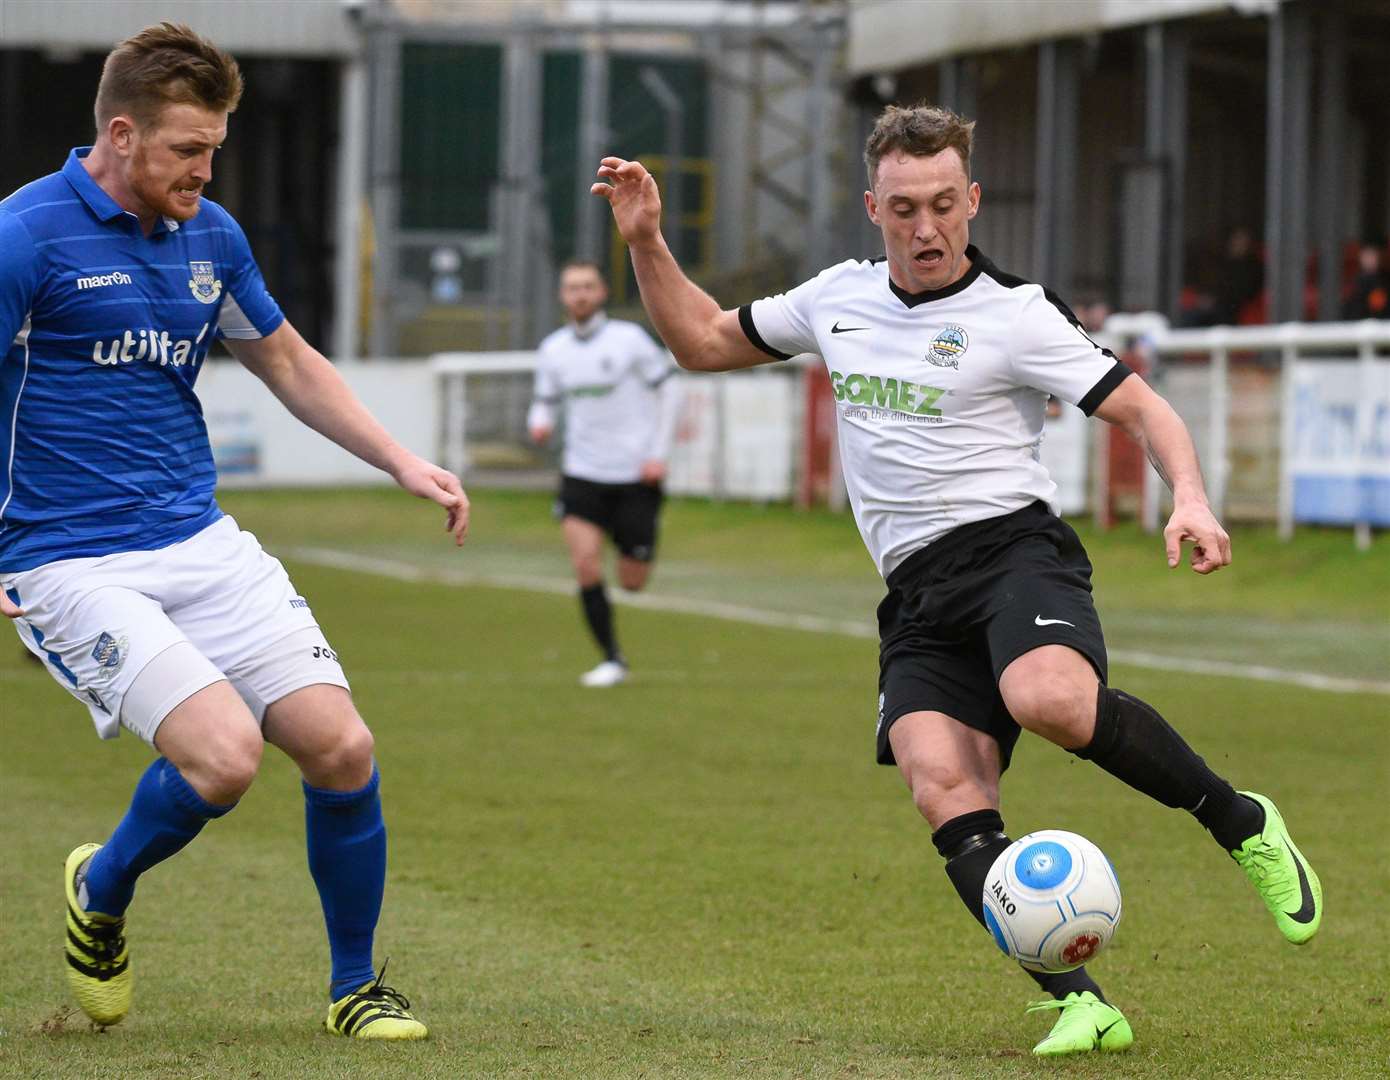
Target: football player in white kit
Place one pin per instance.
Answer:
(117, 567)
(614, 383)
(941, 365)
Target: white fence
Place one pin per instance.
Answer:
(739, 435)
(1333, 413)
(735, 437)
(1327, 415)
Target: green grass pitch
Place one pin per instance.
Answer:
(703, 874)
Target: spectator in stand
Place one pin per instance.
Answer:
(1240, 280)
(1092, 312)
(1370, 289)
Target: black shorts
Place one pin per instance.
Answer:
(626, 512)
(963, 608)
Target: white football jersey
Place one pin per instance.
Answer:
(940, 396)
(620, 402)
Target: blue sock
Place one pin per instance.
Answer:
(164, 815)
(347, 858)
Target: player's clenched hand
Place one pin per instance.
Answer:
(1195, 523)
(631, 192)
(438, 485)
(7, 609)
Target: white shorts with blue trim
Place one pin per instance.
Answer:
(96, 623)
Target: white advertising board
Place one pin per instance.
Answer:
(735, 436)
(1339, 459)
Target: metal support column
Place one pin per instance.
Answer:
(1055, 205)
(1287, 155)
(823, 42)
(521, 194)
(385, 51)
(1332, 119)
(591, 214)
(352, 159)
(672, 202)
(1165, 141)
(959, 86)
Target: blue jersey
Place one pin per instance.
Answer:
(103, 447)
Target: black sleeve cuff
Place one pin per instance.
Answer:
(745, 320)
(1098, 393)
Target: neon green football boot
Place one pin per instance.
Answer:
(1282, 876)
(98, 962)
(374, 1011)
(1086, 1024)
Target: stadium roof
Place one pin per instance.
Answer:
(316, 28)
(888, 35)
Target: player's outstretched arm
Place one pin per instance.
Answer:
(1151, 422)
(700, 336)
(313, 391)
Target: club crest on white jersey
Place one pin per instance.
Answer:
(946, 348)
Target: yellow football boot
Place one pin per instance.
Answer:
(374, 1011)
(98, 961)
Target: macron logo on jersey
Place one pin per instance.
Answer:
(154, 346)
(100, 281)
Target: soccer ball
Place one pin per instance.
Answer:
(1052, 900)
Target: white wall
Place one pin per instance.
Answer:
(255, 441)
(242, 27)
(887, 35)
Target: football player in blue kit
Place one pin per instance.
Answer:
(117, 567)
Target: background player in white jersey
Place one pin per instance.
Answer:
(614, 383)
(118, 568)
(941, 365)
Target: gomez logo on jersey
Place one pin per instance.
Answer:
(947, 347)
(890, 395)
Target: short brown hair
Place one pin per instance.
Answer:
(582, 264)
(922, 130)
(163, 65)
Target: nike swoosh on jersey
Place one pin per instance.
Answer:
(1305, 913)
(1038, 620)
(838, 329)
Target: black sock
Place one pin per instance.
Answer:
(599, 615)
(970, 844)
(1135, 744)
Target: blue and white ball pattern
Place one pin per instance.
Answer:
(1052, 900)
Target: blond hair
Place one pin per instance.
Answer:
(163, 65)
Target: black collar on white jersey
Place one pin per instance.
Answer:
(977, 266)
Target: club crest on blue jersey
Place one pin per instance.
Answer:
(110, 654)
(947, 347)
(207, 289)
